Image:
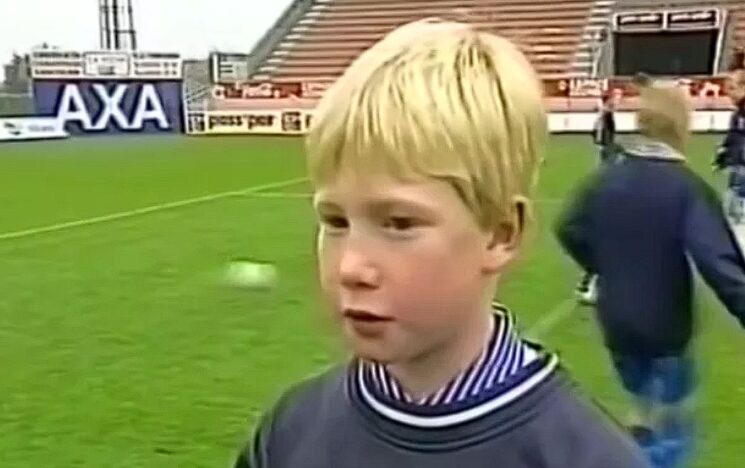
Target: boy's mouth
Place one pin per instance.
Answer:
(365, 316)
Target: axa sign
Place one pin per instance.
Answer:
(112, 107)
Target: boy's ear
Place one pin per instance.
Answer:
(505, 239)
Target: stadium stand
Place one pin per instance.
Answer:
(314, 41)
(737, 18)
(327, 37)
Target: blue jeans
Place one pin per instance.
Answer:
(734, 204)
(663, 385)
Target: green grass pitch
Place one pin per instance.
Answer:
(119, 347)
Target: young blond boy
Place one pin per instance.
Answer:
(423, 157)
(636, 224)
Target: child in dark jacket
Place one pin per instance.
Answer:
(636, 224)
(731, 153)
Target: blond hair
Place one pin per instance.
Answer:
(664, 114)
(735, 85)
(436, 99)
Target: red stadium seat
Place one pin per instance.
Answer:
(328, 38)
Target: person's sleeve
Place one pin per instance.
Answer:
(714, 249)
(728, 152)
(573, 229)
(256, 452)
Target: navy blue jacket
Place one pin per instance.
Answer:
(732, 150)
(636, 223)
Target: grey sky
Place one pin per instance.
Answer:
(191, 27)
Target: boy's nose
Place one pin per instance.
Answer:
(357, 271)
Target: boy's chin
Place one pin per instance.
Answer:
(379, 352)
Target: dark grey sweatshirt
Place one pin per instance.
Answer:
(331, 422)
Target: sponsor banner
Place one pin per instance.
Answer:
(711, 87)
(106, 107)
(575, 87)
(269, 90)
(269, 121)
(583, 122)
(708, 87)
(315, 90)
(295, 122)
(583, 87)
(263, 90)
(31, 128)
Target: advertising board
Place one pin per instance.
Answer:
(106, 107)
(31, 128)
(248, 122)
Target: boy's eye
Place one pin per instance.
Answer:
(335, 222)
(400, 223)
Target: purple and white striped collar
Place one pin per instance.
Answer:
(507, 368)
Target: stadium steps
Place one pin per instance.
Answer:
(737, 17)
(333, 33)
(734, 35)
(587, 52)
(297, 10)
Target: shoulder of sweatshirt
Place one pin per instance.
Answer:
(308, 399)
(575, 431)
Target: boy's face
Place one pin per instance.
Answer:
(736, 87)
(610, 102)
(405, 266)
(737, 94)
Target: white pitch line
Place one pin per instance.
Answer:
(553, 317)
(280, 195)
(146, 210)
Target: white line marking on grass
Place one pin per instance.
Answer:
(552, 318)
(280, 195)
(146, 210)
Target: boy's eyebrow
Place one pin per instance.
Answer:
(380, 205)
(385, 205)
(321, 204)
(390, 203)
